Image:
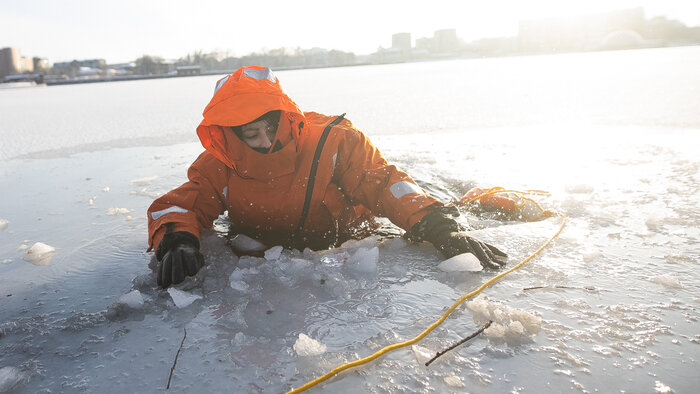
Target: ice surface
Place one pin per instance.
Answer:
(364, 259)
(182, 299)
(10, 377)
(3, 224)
(144, 181)
(461, 262)
(273, 253)
(668, 281)
(623, 337)
(118, 211)
(307, 346)
(40, 254)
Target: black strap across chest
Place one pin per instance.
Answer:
(312, 174)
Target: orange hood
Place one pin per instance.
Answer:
(240, 98)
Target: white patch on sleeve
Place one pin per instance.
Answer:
(174, 208)
(335, 157)
(400, 189)
(220, 83)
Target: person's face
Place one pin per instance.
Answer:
(258, 134)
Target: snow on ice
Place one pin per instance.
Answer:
(511, 326)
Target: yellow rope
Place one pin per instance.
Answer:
(442, 318)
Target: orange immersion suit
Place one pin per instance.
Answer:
(325, 180)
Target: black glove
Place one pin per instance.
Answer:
(178, 256)
(439, 228)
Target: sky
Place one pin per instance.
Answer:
(123, 30)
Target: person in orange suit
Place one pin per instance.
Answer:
(291, 178)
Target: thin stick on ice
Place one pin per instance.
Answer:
(473, 335)
(172, 369)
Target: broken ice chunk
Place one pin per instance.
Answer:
(580, 189)
(306, 346)
(590, 255)
(10, 377)
(273, 253)
(243, 244)
(364, 259)
(668, 281)
(40, 254)
(461, 262)
(3, 224)
(659, 387)
(512, 326)
(239, 285)
(453, 381)
(182, 299)
(132, 299)
(422, 354)
(143, 181)
(118, 211)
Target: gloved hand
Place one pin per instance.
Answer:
(178, 256)
(439, 228)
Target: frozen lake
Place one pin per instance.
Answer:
(613, 136)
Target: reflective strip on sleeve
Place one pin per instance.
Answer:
(174, 208)
(225, 192)
(400, 189)
(265, 73)
(220, 83)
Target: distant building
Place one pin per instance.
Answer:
(445, 41)
(10, 61)
(79, 68)
(26, 64)
(41, 64)
(188, 70)
(425, 44)
(91, 63)
(401, 41)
